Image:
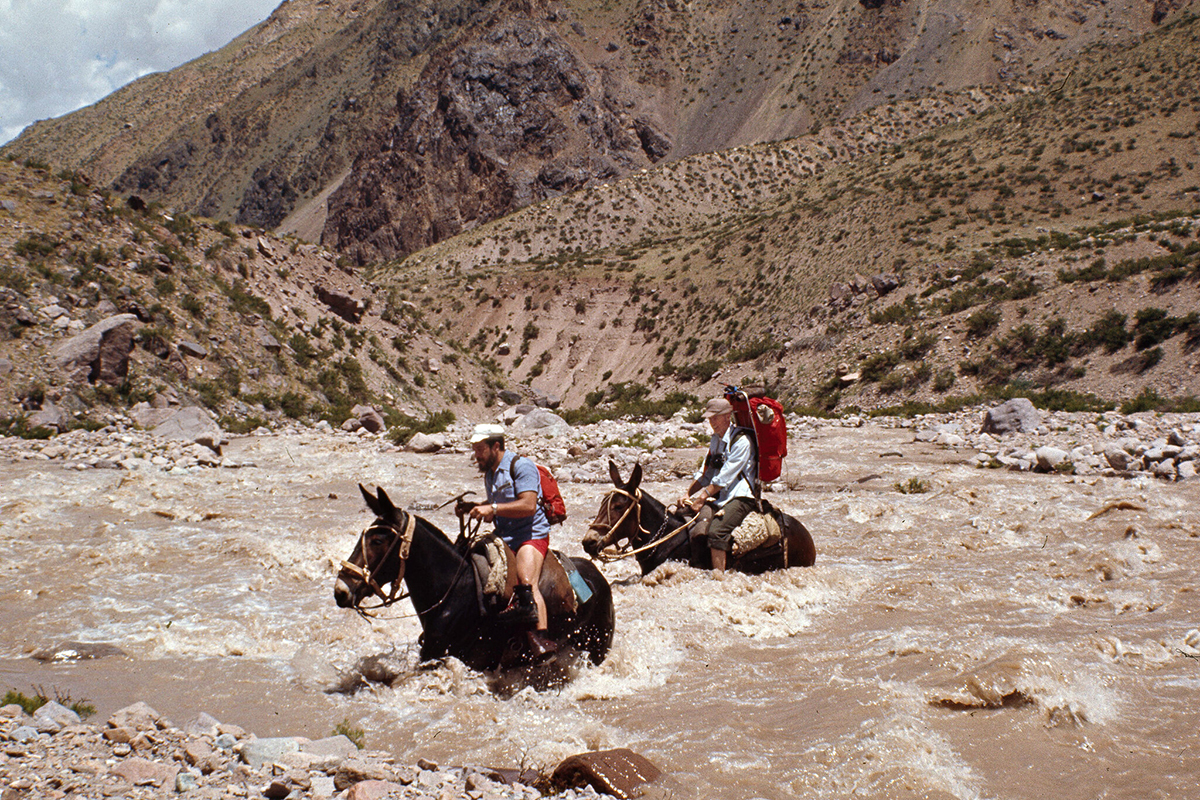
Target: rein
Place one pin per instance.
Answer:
(655, 538)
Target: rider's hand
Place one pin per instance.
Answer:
(477, 512)
(695, 503)
(463, 507)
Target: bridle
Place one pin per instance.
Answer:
(607, 528)
(401, 544)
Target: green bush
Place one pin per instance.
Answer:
(982, 323)
(351, 732)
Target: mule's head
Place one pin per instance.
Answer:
(617, 518)
(377, 559)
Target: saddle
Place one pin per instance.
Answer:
(496, 575)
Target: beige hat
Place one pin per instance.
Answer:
(487, 430)
(716, 406)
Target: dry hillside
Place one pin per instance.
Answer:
(1036, 236)
(968, 201)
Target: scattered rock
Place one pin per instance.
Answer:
(194, 350)
(144, 772)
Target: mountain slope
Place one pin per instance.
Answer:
(268, 126)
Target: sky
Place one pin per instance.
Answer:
(60, 55)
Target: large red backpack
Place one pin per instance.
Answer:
(551, 499)
(763, 417)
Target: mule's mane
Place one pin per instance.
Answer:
(655, 505)
(439, 538)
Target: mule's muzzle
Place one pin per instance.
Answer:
(593, 542)
(345, 596)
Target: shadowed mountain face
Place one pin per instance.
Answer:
(439, 115)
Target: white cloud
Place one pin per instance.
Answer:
(60, 55)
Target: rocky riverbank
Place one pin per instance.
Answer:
(1013, 435)
(137, 753)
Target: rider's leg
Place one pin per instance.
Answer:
(529, 572)
(720, 532)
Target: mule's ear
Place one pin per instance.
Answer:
(386, 503)
(615, 474)
(372, 500)
(635, 477)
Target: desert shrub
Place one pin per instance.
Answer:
(192, 304)
(892, 382)
(293, 404)
(904, 312)
(877, 366)
(351, 732)
(1097, 270)
(1109, 331)
(912, 486)
(982, 323)
(916, 347)
(1152, 326)
(303, 351)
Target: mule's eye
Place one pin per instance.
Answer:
(378, 540)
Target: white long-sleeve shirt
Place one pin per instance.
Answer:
(736, 469)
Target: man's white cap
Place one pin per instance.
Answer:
(487, 430)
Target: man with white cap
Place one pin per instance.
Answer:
(514, 489)
(724, 483)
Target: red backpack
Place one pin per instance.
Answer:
(552, 502)
(763, 417)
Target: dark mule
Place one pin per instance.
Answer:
(657, 535)
(399, 546)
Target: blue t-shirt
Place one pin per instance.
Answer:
(500, 489)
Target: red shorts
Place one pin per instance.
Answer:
(541, 545)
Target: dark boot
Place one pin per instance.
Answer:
(541, 647)
(521, 608)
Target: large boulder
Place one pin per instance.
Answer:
(1016, 415)
(343, 305)
(544, 422)
(48, 416)
(101, 352)
(147, 416)
(426, 443)
(620, 772)
(194, 425)
(369, 418)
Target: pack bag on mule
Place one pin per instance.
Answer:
(550, 498)
(762, 417)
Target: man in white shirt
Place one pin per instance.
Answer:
(725, 483)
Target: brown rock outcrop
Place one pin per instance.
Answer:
(496, 123)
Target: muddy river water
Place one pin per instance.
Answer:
(1001, 635)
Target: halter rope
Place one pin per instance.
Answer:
(655, 538)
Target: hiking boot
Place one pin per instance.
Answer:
(541, 647)
(521, 608)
